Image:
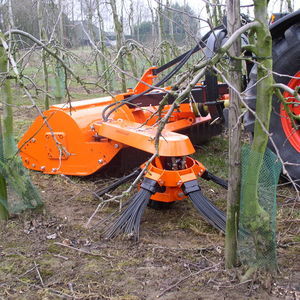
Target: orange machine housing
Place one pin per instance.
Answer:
(73, 139)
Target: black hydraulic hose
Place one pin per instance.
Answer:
(161, 82)
(209, 176)
(120, 181)
(182, 59)
(210, 213)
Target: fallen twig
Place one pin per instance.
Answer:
(185, 278)
(58, 293)
(81, 250)
(39, 274)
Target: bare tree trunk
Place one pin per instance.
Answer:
(10, 15)
(3, 190)
(214, 11)
(132, 63)
(59, 71)
(130, 18)
(281, 6)
(138, 27)
(42, 36)
(290, 6)
(89, 5)
(152, 20)
(234, 171)
(103, 47)
(161, 36)
(7, 144)
(120, 41)
(61, 25)
(11, 166)
(255, 218)
(170, 22)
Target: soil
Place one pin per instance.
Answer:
(50, 253)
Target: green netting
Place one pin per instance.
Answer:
(21, 193)
(257, 235)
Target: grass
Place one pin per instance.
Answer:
(214, 155)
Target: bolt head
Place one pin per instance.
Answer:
(161, 182)
(100, 161)
(116, 146)
(43, 168)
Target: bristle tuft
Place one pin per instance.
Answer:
(210, 213)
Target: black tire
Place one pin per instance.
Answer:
(286, 60)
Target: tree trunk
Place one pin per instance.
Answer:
(120, 41)
(61, 25)
(42, 36)
(152, 21)
(59, 82)
(255, 218)
(103, 47)
(9, 146)
(290, 6)
(132, 63)
(3, 190)
(234, 171)
(11, 166)
(10, 15)
(160, 31)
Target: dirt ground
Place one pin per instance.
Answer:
(51, 254)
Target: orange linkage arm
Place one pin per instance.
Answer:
(147, 78)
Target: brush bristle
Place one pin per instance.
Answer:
(210, 213)
(129, 221)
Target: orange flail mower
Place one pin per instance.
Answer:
(83, 137)
(73, 139)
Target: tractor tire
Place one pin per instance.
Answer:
(286, 60)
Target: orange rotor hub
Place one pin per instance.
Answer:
(170, 180)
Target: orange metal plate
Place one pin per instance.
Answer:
(142, 137)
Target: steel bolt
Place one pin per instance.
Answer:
(100, 161)
(33, 165)
(116, 146)
(43, 168)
